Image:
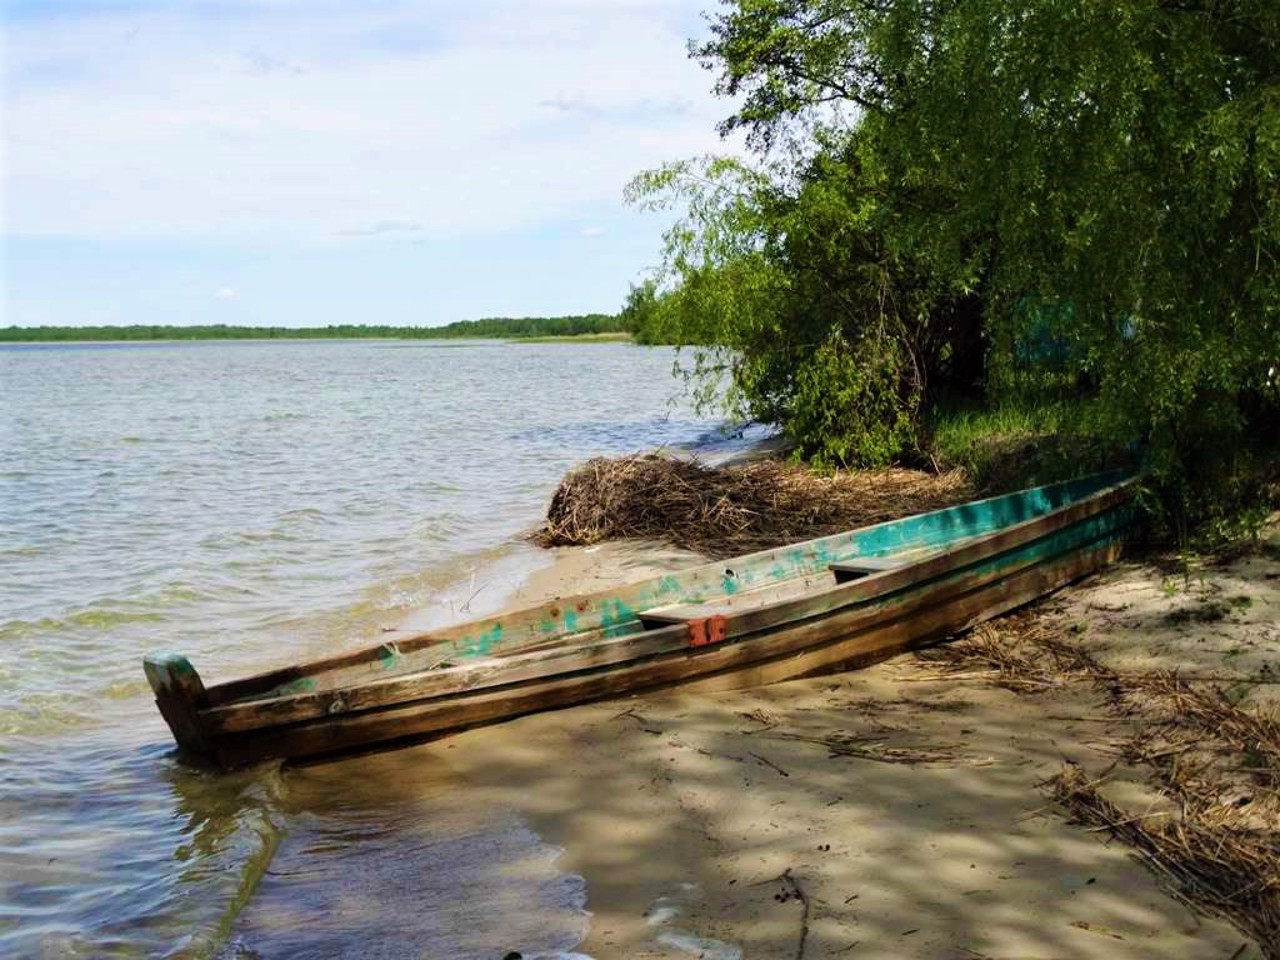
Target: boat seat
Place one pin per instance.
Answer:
(682, 613)
(863, 566)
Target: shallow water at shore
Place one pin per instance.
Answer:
(252, 504)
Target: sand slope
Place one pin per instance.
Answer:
(733, 825)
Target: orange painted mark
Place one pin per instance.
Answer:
(707, 630)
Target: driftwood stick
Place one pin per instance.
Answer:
(792, 891)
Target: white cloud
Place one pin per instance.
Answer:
(382, 228)
(321, 122)
(225, 293)
(593, 231)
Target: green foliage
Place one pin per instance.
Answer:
(495, 327)
(805, 315)
(639, 313)
(848, 408)
(1013, 445)
(1084, 196)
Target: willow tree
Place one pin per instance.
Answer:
(1111, 165)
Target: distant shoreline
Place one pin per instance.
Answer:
(620, 337)
(587, 326)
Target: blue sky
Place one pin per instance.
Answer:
(306, 162)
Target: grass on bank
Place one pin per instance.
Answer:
(1011, 447)
(1014, 446)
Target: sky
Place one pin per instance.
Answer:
(312, 162)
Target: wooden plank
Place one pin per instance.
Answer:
(613, 609)
(831, 645)
(179, 694)
(665, 616)
(260, 714)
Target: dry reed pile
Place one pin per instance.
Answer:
(1216, 758)
(1208, 857)
(722, 511)
(1019, 652)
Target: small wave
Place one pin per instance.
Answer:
(26, 550)
(731, 437)
(42, 714)
(617, 436)
(93, 619)
(303, 514)
(108, 613)
(231, 539)
(125, 689)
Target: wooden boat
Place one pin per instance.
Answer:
(830, 603)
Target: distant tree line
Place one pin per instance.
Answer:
(490, 327)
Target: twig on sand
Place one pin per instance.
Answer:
(769, 763)
(791, 890)
(638, 718)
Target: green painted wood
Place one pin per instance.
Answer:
(179, 693)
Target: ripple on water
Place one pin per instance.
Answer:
(381, 857)
(253, 504)
(144, 855)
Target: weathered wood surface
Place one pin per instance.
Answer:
(1016, 548)
(825, 644)
(616, 611)
(179, 694)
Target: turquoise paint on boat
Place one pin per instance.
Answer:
(482, 644)
(729, 584)
(617, 618)
(615, 614)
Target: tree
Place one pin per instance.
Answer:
(1109, 170)
(805, 313)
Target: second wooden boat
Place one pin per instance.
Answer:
(825, 604)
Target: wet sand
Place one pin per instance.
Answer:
(720, 825)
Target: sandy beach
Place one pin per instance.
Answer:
(889, 812)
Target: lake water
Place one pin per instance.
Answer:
(251, 504)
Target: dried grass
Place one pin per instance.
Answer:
(1216, 758)
(723, 511)
(1020, 652)
(1213, 862)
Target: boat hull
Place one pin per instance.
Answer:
(733, 668)
(835, 627)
